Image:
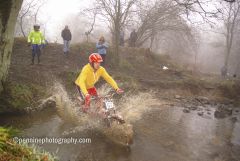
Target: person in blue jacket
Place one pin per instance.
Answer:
(102, 49)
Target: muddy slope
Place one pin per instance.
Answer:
(139, 70)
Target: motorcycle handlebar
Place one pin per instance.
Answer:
(104, 96)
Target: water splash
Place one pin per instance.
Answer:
(69, 110)
(66, 108)
(132, 107)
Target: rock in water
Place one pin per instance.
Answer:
(203, 100)
(234, 119)
(120, 133)
(186, 110)
(200, 113)
(193, 108)
(177, 97)
(219, 114)
(223, 112)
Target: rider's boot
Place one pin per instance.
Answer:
(85, 109)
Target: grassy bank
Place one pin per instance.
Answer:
(11, 151)
(17, 96)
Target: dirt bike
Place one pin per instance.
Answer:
(104, 107)
(114, 125)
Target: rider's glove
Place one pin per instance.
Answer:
(119, 91)
(87, 100)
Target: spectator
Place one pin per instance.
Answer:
(224, 71)
(36, 40)
(102, 49)
(133, 38)
(67, 36)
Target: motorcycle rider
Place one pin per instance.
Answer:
(89, 75)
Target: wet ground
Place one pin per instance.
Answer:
(162, 134)
(189, 130)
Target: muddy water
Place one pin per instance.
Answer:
(161, 133)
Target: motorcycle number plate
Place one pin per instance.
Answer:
(109, 105)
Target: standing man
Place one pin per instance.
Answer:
(102, 49)
(224, 71)
(133, 38)
(67, 36)
(36, 39)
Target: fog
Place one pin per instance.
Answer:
(194, 36)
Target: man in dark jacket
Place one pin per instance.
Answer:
(67, 36)
(133, 39)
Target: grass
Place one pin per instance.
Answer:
(12, 151)
(230, 89)
(22, 95)
(18, 96)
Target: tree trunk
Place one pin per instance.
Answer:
(151, 42)
(229, 40)
(87, 35)
(9, 10)
(116, 44)
(117, 32)
(21, 26)
(227, 57)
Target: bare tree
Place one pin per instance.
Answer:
(231, 21)
(116, 14)
(29, 13)
(198, 5)
(40, 4)
(235, 60)
(201, 7)
(162, 27)
(93, 13)
(25, 10)
(230, 1)
(162, 16)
